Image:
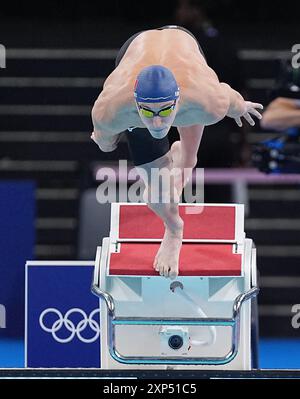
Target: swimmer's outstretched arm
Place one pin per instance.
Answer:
(239, 108)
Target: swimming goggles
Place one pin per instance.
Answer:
(165, 112)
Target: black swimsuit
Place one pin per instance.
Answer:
(143, 147)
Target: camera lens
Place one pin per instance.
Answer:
(175, 342)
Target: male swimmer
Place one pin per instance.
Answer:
(161, 80)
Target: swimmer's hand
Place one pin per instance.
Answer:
(251, 108)
(105, 143)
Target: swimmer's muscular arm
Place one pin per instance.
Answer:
(220, 100)
(104, 135)
(110, 114)
(237, 105)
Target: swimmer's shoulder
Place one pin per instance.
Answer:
(201, 103)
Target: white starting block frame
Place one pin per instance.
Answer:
(143, 312)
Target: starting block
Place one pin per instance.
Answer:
(202, 319)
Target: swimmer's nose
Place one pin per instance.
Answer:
(157, 122)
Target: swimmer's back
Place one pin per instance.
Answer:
(173, 48)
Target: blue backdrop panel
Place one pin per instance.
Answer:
(62, 316)
(17, 237)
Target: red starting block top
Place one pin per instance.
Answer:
(200, 222)
(212, 229)
(195, 260)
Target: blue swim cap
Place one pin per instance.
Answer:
(155, 84)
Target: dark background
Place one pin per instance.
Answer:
(148, 11)
(112, 20)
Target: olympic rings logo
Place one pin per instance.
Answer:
(68, 324)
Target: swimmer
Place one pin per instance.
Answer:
(161, 80)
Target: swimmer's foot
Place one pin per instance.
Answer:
(167, 257)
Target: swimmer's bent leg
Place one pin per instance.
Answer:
(166, 260)
(190, 138)
(184, 153)
(149, 153)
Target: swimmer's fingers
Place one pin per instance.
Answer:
(252, 108)
(238, 122)
(250, 105)
(255, 113)
(257, 105)
(249, 119)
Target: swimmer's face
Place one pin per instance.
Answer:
(158, 125)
